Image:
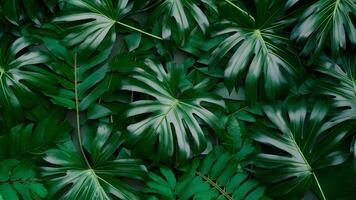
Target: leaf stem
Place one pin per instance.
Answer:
(319, 186)
(139, 30)
(212, 183)
(77, 112)
(241, 10)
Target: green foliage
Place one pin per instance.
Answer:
(99, 179)
(174, 113)
(331, 20)
(18, 181)
(177, 99)
(338, 82)
(219, 175)
(26, 139)
(17, 73)
(304, 143)
(260, 52)
(180, 16)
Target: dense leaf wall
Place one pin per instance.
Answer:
(177, 99)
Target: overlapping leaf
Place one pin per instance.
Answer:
(172, 119)
(338, 81)
(302, 144)
(72, 71)
(27, 140)
(259, 49)
(219, 175)
(105, 177)
(18, 76)
(177, 17)
(94, 23)
(18, 181)
(332, 20)
(16, 11)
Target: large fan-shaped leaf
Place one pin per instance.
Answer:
(17, 74)
(302, 146)
(18, 181)
(339, 83)
(260, 50)
(327, 19)
(181, 16)
(172, 120)
(97, 21)
(106, 175)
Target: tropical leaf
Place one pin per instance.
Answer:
(180, 16)
(94, 23)
(302, 144)
(18, 77)
(70, 176)
(331, 20)
(258, 48)
(173, 118)
(338, 81)
(15, 11)
(217, 176)
(27, 140)
(77, 75)
(18, 181)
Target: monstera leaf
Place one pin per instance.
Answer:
(18, 181)
(16, 11)
(181, 16)
(104, 177)
(331, 20)
(94, 23)
(173, 119)
(339, 83)
(18, 77)
(302, 145)
(258, 48)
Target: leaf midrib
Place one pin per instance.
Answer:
(212, 183)
(121, 23)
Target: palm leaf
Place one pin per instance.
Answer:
(29, 140)
(70, 177)
(326, 20)
(92, 77)
(173, 117)
(302, 145)
(18, 181)
(218, 176)
(258, 48)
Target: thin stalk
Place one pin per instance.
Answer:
(240, 10)
(77, 112)
(212, 183)
(139, 30)
(319, 186)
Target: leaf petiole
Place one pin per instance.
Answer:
(77, 111)
(241, 10)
